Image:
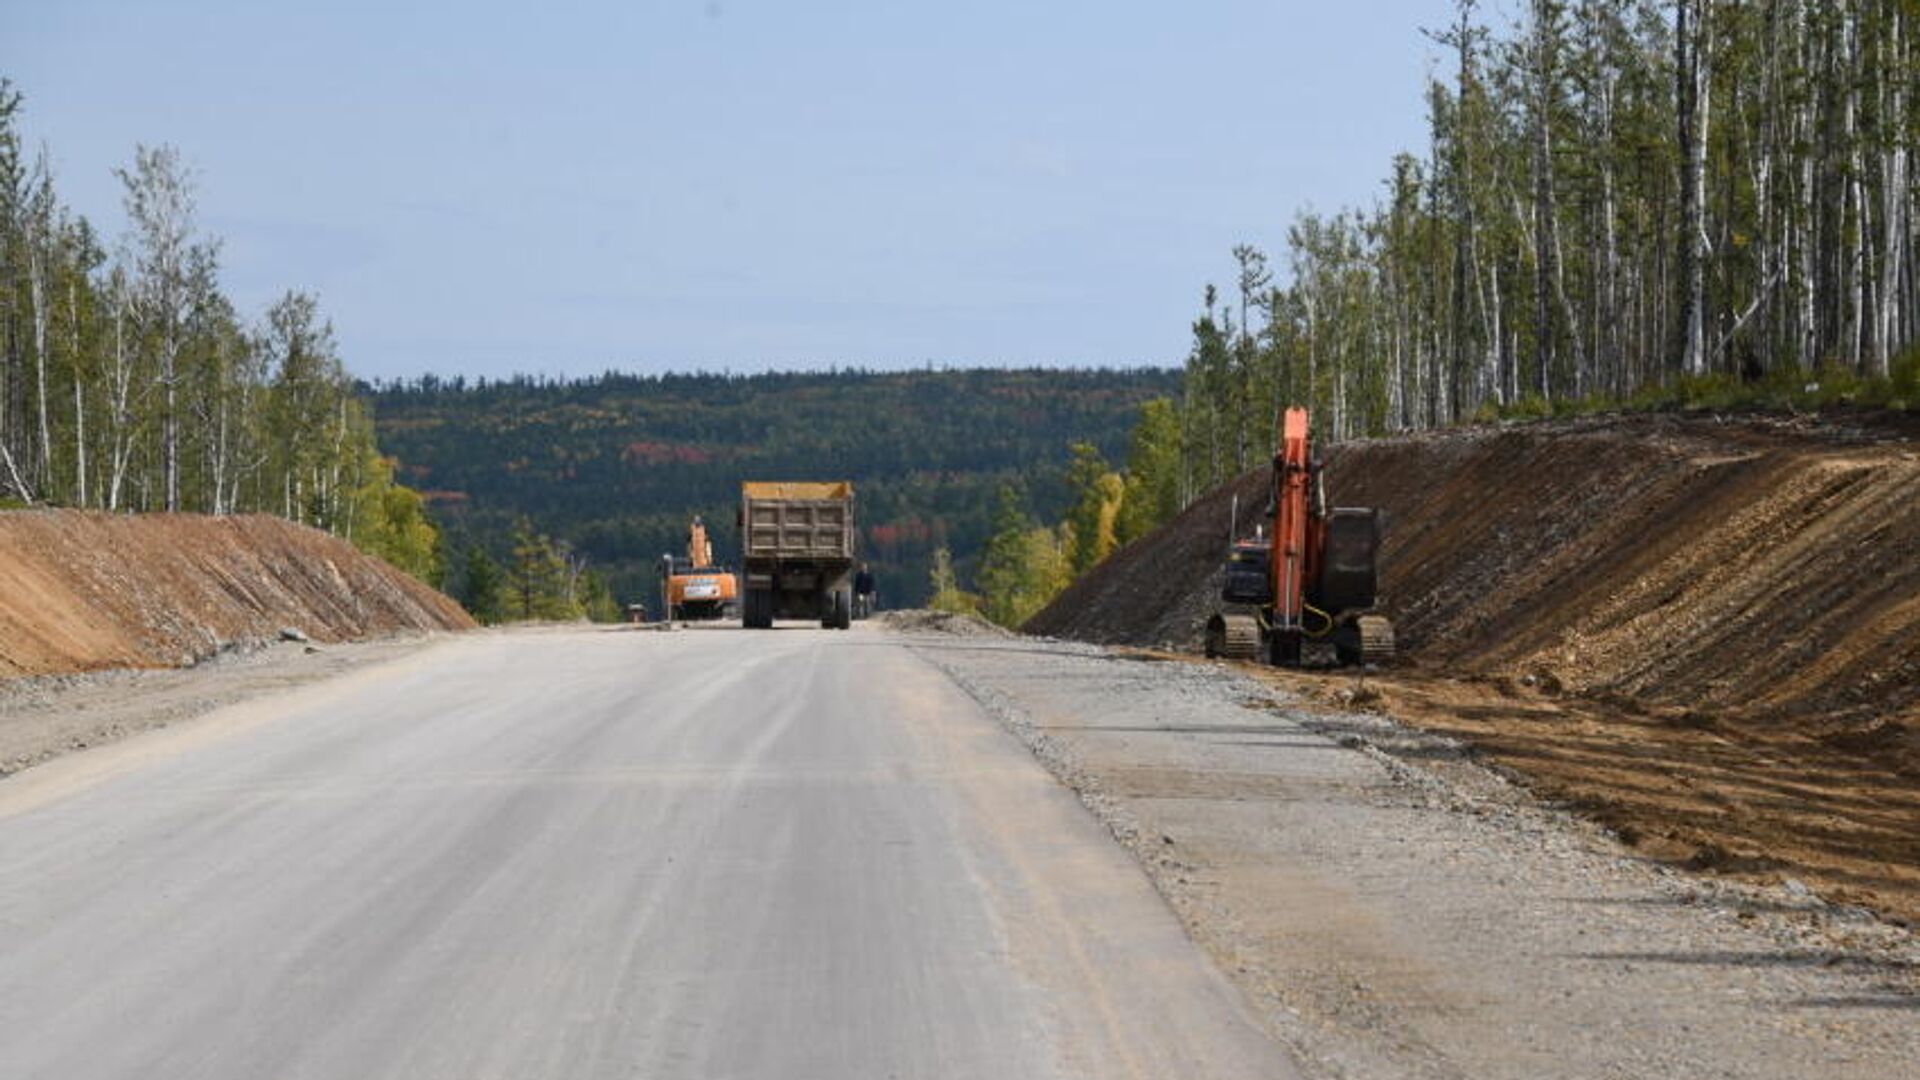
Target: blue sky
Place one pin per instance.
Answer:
(488, 188)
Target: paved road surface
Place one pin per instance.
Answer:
(579, 854)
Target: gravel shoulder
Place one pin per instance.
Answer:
(43, 717)
(1393, 908)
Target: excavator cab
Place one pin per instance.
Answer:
(1248, 580)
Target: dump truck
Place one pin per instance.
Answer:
(693, 586)
(1304, 593)
(796, 552)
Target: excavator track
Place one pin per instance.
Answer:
(1233, 637)
(1376, 640)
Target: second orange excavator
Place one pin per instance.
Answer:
(695, 587)
(1305, 593)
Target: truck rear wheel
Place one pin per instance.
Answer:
(837, 613)
(758, 609)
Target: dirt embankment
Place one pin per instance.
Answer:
(1703, 631)
(87, 591)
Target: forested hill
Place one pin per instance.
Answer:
(615, 466)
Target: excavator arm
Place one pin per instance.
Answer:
(1292, 522)
(699, 548)
(1298, 535)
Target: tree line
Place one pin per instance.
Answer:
(543, 578)
(129, 381)
(1635, 202)
(1619, 200)
(614, 466)
(1027, 561)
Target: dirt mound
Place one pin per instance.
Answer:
(1705, 630)
(87, 591)
(923, 621)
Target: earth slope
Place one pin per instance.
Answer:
(89, 591)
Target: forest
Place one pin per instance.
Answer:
(130, 382)
(615, 466)
(1621, 202)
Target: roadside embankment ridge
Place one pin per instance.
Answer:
(83, 591)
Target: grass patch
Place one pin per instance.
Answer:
(1794, 388)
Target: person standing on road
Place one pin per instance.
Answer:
(863, 592)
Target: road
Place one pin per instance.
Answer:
(589, 853)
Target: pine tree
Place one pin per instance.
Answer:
(1152, 494)
(484, 589)
(1096, 494)
(1003, 572)
(538, 580)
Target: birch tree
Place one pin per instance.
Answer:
(1617, 197)
(159, 200)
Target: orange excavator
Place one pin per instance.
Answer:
(1304, 594)
(695, 587)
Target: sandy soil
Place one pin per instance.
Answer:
(1702, 631)
(91, 592)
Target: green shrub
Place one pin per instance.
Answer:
(1712, 391)
(1530, 407)
(1903, 379)
(1834, 384)
(1788, 387)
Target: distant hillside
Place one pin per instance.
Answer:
(615, 465)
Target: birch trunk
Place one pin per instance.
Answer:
(1693, 90)
(79, 397)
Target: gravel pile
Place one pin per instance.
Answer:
(920, 620)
